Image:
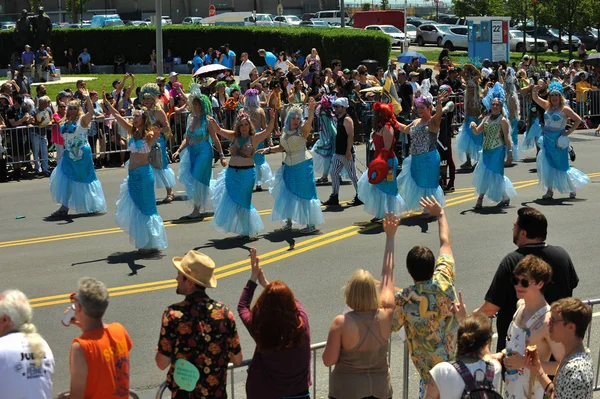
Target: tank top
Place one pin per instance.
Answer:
(554, 121)
(379, 145)
(341, 138)
(106, 352)
(422, 140)
(294, 145)
(363, 371)
(75, 138)
(492, 133)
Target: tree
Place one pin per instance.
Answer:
(366, 6)
(35, 4)
(75, 7)
(520, 12)
(465, 8)
(385, 4)
(564, 15)
(592, 17)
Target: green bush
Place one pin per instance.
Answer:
(351, 46)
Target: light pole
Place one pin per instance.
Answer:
(535, 49)
(159, 41)
(342, 14)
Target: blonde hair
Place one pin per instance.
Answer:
(361, 293)
(15, 305)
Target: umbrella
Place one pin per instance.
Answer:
(592, 59)
(408, 56)
(211, 69)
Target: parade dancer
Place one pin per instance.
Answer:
(382, 197)
(421, 169)
(294, 187)
(553, 169)
(468, 145)
(136, 212)
(232, 193)
(324, 148)
(164, 177)
(195, 166)
(73, 183)
(512, 109)
(488, 177)
(257, 115)
(447, 166)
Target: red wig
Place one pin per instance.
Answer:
(276, 323)
(383, 114)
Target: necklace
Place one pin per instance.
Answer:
(494, 117)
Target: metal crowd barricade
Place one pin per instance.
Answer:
(592, 303)
(313, 348)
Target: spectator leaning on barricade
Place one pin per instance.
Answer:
(358, 340)
(26, 361)
(18, 117)
(198, 335)
(279, 325)
(569, 320)
(99, 359)
(57, 138)
(38, 135)
(529, 235)
(425, 308)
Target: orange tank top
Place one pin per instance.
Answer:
(106, 353)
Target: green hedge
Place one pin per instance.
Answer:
(349, 45)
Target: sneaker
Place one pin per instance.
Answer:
(356, 201)
(573, 195)
(332, 201)
(323, 180)
(549, 194)
(466, 165)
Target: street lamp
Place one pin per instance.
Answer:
(535, 47)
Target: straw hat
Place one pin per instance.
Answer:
(471, 70)
(197, 267)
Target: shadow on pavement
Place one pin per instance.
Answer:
(68, 219)
(128, 258)
(488, 210)
(186, 219)
(227, 243)
(553, 202)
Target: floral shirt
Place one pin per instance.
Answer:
(424, 309)
(203, 332)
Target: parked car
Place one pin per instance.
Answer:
(287, 20)
(8, 26)
(314, 23)
(137, 23)
(432, 33)
(411, 31)
(416, 21)
(516, 42)
(455, 37)
(307, 16)
(339, 25)
(105, 21)
(331, 16)
(452, 20)
(192, 21)
(588, 37)
(551, 37)
(395, 33)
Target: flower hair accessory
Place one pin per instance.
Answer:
(327, 101)
(251, 92)
(243, 115)
(496, 93)
(555, 87)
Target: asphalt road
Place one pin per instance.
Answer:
(46, 258)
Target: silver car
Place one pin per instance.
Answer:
(431, 33)
(287, 20)
(455, 37)
(517, 44)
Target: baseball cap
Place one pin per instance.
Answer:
(27, 46)
(342, 101)
(173, 74)
(346, 70)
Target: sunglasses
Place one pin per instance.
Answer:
(73, 107)
(516, 281)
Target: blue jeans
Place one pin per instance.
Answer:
(39, 146)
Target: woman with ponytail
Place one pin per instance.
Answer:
(26, 361)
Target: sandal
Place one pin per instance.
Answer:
(59, 213)
(168, 199)
(309, 230)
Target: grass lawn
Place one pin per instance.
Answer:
(459, 57)
(106, 79)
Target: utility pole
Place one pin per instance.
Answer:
(342, 14)
(159, 39)
(535, 42)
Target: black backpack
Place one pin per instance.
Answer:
(477, 389)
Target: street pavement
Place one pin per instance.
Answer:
(45, 258)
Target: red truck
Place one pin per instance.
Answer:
(387, 17)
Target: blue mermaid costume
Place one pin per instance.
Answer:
(164, 177)
(294, 188)
(553, 169)
(74, 183)
(136, 212)
(514, 136)
(324, 148)
(383, 197)
(232, 194)
(195, 167)
(420, 176)
(488, 177)
(467, 142)
(264, 175)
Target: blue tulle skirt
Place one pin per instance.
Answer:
(74, 184)
(514, 135)
(553, 169)
(264, 175)
(488, 177)
(323, 149)
(467, 142)
(232, 199)
(383, 197)
(420, 178)
(165, 177)
(295, 194)
(531, 135)
(137, 214)
(195, 172)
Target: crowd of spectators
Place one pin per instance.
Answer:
(449, 347)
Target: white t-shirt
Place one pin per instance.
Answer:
(19, 378)
(245, 69)
(451, 385)
(282, 65)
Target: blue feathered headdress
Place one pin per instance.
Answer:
(556, 87)
(495, 93)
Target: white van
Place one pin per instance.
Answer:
(331, 16)
(239, 18)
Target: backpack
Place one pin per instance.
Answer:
(477, 389)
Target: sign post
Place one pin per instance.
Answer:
(279, 12)
(212, 10)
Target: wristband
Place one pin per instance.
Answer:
(269, 150)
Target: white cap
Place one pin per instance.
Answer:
(343, 101)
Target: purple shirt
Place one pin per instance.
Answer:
(275, 374)
(27, 57)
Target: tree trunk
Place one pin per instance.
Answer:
(74, 11)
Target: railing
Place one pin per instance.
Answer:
(591, 303)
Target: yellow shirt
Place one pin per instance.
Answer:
(581, 89)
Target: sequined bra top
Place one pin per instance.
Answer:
(492, 133)
(422, 140)
(554, 121)
(242, 147)
(138, 146)
(198, 134)
(294, 145)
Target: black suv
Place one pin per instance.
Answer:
(554, 43)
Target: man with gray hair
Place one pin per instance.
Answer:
(99, 358)
(26, 361)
